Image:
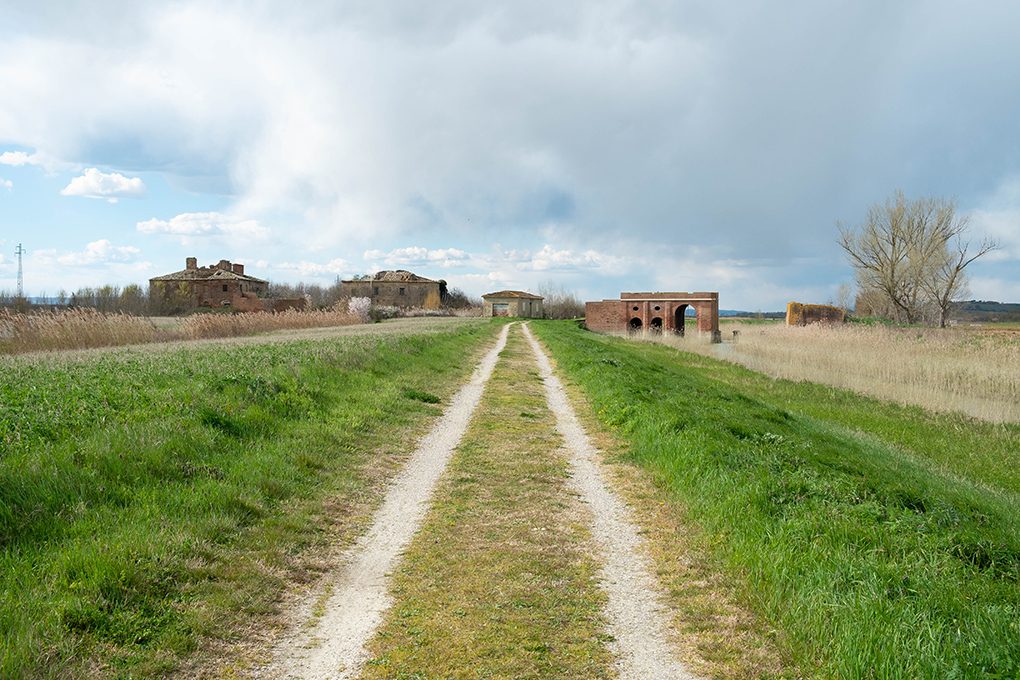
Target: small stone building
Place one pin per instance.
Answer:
(800, 314)
(222, 285)
(398, 288)
(513, 303)
(654, 312)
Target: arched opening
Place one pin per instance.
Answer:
(655, 325)
(680, 319)
(635, 325)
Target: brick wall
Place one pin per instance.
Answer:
(425, 294)
(662, 311)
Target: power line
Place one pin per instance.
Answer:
(21, 274)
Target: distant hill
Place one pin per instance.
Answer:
(985, 311)
(738, 312)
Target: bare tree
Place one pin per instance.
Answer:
(559, 302)
(912, 253)
(844, 296)
(945, 278)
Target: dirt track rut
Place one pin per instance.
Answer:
(333, 646)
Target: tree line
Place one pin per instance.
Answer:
(134, 299)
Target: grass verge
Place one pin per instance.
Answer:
(152, 501)
(716, 636)
(499, 582)
(869, 557)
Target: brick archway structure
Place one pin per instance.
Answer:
(667, 309)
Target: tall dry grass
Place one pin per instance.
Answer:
(73, 329)
(229, 325)
(938, 369)
(88, 328)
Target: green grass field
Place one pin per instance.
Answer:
(880, 541)
(150, 501)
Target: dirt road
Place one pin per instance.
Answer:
(635, 626)
(637, 619)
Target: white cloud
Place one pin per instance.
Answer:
(18, 158)
(203, 224)
(994, 288)
(549, 259)
(37, 158)
(6, 184)
(546, 259)
(100, 252)
(111, 186)
(314, 270)
(416, 255)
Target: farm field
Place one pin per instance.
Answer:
(154, 501)
(877, 540)
(970, 370)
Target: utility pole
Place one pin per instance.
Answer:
(21, 274)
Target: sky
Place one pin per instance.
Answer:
(597, 147)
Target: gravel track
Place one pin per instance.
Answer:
(334, 647)
(638, 620)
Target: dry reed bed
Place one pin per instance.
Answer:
(87, 328)
(943, 370)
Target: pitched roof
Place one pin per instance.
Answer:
(513, 294)
(207, 274)
(400, 275)
(394, 275)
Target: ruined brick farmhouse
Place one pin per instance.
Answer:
(396, 288)
(654, 312)
(220, 286)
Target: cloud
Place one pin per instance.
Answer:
(111, 186)
(546, 259)
(203, 224)
(100, 252)
(549, 259)
(734, 128)
(416, 255)
(21, 158)
(18, 158)
(6, 184)
(314, 270)
(998, 218)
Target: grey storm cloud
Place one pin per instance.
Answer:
(742, 130)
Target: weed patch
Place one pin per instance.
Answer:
(422, 396)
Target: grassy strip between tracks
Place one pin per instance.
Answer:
(499, 583)
(869, 558)
(152, 501)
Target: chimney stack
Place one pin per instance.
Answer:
(191, 263)
(239, 269)
(224, 265)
